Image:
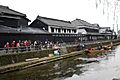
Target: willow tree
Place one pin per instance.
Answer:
(111, 8)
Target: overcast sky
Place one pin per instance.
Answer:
(60, 9)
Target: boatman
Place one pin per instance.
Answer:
(99, 46)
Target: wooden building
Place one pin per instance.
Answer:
(12, 18)
(53, 25)
(90, 31)
(14, 26)
(62, 31)
(109, 34)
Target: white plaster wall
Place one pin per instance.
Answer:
(82, 31)
(49, 29)
(102, 30)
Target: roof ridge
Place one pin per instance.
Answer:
(84, 21)
(79, 20)
(17, 12)
(4, 7)
(38, 17)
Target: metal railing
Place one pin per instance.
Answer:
(30, 48)
(23, 49)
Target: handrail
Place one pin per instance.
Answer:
(22, 49)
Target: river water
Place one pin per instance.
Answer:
(105, 67)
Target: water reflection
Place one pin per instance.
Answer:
(55, 70)
(101, 68)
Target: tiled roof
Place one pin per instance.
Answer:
(33, 30)
(6, 9)
(54, 22)
(82, 23)
(9, 17)
(6, 29)
(96, 25)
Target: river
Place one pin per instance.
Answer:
(105, 67)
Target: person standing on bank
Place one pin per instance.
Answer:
(13, 46)
(17, 46)
(7, 47)
(35, 45)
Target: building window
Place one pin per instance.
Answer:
(68, 30)
(52, 29)
(64, 30)
(59, 30)
(74, 31)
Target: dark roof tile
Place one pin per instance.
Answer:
(6, 29)
(6, 9)
(83, 23)
(33, 30)
(54, 22)
(10, 17)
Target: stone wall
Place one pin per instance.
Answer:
(15, 58)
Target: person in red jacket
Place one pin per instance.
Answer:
(13, 46)
(26, 44)
(17, 46)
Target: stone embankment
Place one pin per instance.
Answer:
(12, 62)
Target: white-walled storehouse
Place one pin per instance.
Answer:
(54, 25)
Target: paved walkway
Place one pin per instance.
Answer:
(2, 52)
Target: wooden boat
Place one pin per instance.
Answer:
(96, 51)
(107, 47)
(93, 50)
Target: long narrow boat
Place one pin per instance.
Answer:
(97, 51)
(102, 50)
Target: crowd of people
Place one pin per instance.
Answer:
(17, 45)
(27, 45)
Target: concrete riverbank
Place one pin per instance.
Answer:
(23, 65)
(12, 62)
